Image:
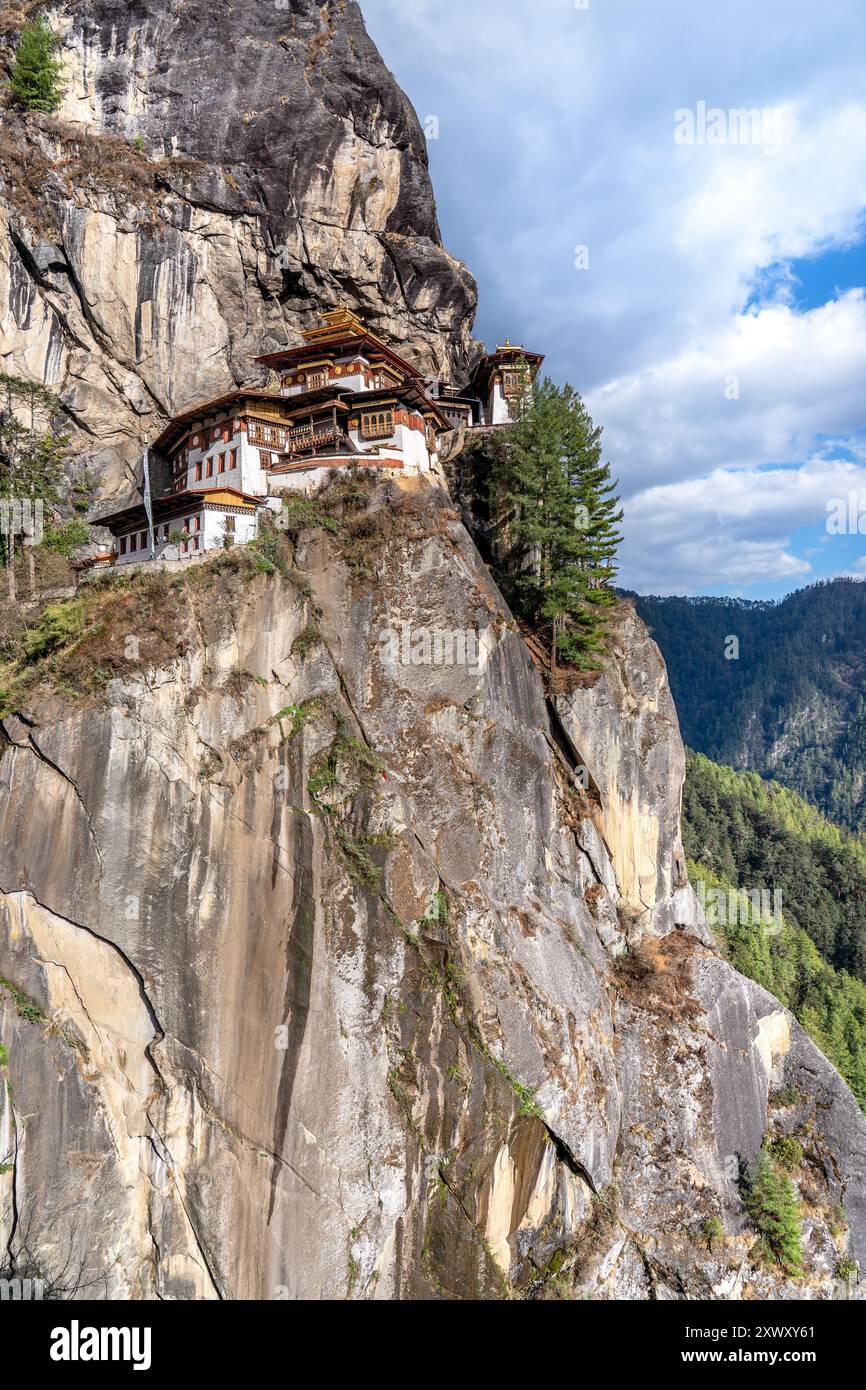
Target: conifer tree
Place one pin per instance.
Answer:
(771, 1201)
(561, 511)
(32, 448)
(36, 74)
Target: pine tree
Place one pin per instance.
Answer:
(31, 456)
(772, 1204)
(36, 74)
(561, 514)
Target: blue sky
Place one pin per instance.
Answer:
(719, 330)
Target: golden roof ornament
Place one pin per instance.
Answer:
(336, 324)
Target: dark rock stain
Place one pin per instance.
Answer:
(299, 975)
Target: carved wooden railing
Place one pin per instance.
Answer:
(377, 426)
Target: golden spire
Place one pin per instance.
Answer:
(336, 324)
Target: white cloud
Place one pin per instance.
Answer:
(762, 387)
(733, 524)
(558, 130)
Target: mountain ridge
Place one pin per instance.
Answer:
(791, 704)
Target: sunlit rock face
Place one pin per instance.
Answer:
(244, 167)
(338, 958)
(326, 976)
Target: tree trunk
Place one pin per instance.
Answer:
(10, 563)
(31, 570)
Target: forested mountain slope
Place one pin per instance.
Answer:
(791, 703)
(742, 832)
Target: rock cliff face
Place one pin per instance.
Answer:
(326, 979)
(216, 174)
(321, 973)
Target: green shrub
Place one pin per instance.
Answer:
(25, 1007)
(66, 538)
(788, 1152)
(355, 853)
(302, 513)
(299, 714)
(58, 625)
(771, 1202)
(306, 640)
(848, 1269)
(713, 1231)
(438, 909)
(787, 1095)
(36, 74)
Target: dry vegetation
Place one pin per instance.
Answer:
(43, 155)
(117, 625)
(657, 975)
(15, 14)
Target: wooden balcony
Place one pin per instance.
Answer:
(305, 445)
(311, 441)
(377, 426)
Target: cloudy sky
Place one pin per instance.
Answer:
(698, 277)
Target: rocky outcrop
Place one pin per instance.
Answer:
(337, 957)
(325, 976)
(216, 176)
(627, 722)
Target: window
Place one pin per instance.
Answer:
(165, 530)
(223, 460)
(233, 459)
(193, 545)
(210, 466)
(227, 434)
(194, 524)
(122, 546)
(379, 424)
(513, 382)
(198, 471)
(317, 379)
(142, 541)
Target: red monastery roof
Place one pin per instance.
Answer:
(174, 503)
(506, 356)
(340, 329)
